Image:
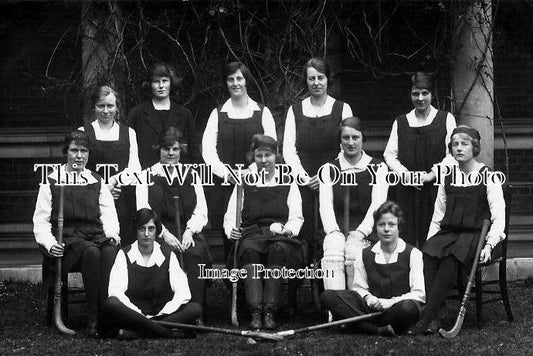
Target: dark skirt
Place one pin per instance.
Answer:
(76, 240)
(126, 208)
(217, 197)
(461, 244)
(418, 210)
(261, 240)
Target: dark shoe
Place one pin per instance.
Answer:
(433, 327)
(256, 324)
(92, 327)
(417, 329)
(124, 334)
(268, 321)
(386, 330)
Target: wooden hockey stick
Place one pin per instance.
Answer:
(238, 216)
(462, 310)
(351, 320)
(178, 228)
(246, 333)
(58, 282)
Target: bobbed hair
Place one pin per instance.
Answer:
(234, 66)
(167, 138)
(161, 69)
(388, 207)
(471, 134)
(354, 122)
(143, 216)
(77, 136)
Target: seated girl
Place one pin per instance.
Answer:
(147, 284)
(388, 277)
(458, 216)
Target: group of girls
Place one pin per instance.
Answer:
(154, 276)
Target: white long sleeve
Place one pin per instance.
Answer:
(118, 282)
(438, 212)
(179, 285)
(108, 213)
(42, 227)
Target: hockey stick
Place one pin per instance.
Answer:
(58, 282)
(178, 228)
(238, 215)
(462, 310)
(351, 320)
(246, 333)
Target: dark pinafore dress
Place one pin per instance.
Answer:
(384, 280)
(391, 279)
(419, 148)
(115, 152)
(149, 288)
(161, 199)
(317, 143)
(82, 227)
(466, 208)
(263, 206)
(233, 144)
(360, 199)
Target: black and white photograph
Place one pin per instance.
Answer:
(266, 177)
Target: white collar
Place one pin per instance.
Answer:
(97, 129)
(157, 257)
(432, 113)
(400, 247)
(359, 166)
(328, 103)
(228, 107)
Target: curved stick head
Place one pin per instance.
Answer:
(455, 329)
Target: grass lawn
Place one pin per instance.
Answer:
(24, 332)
